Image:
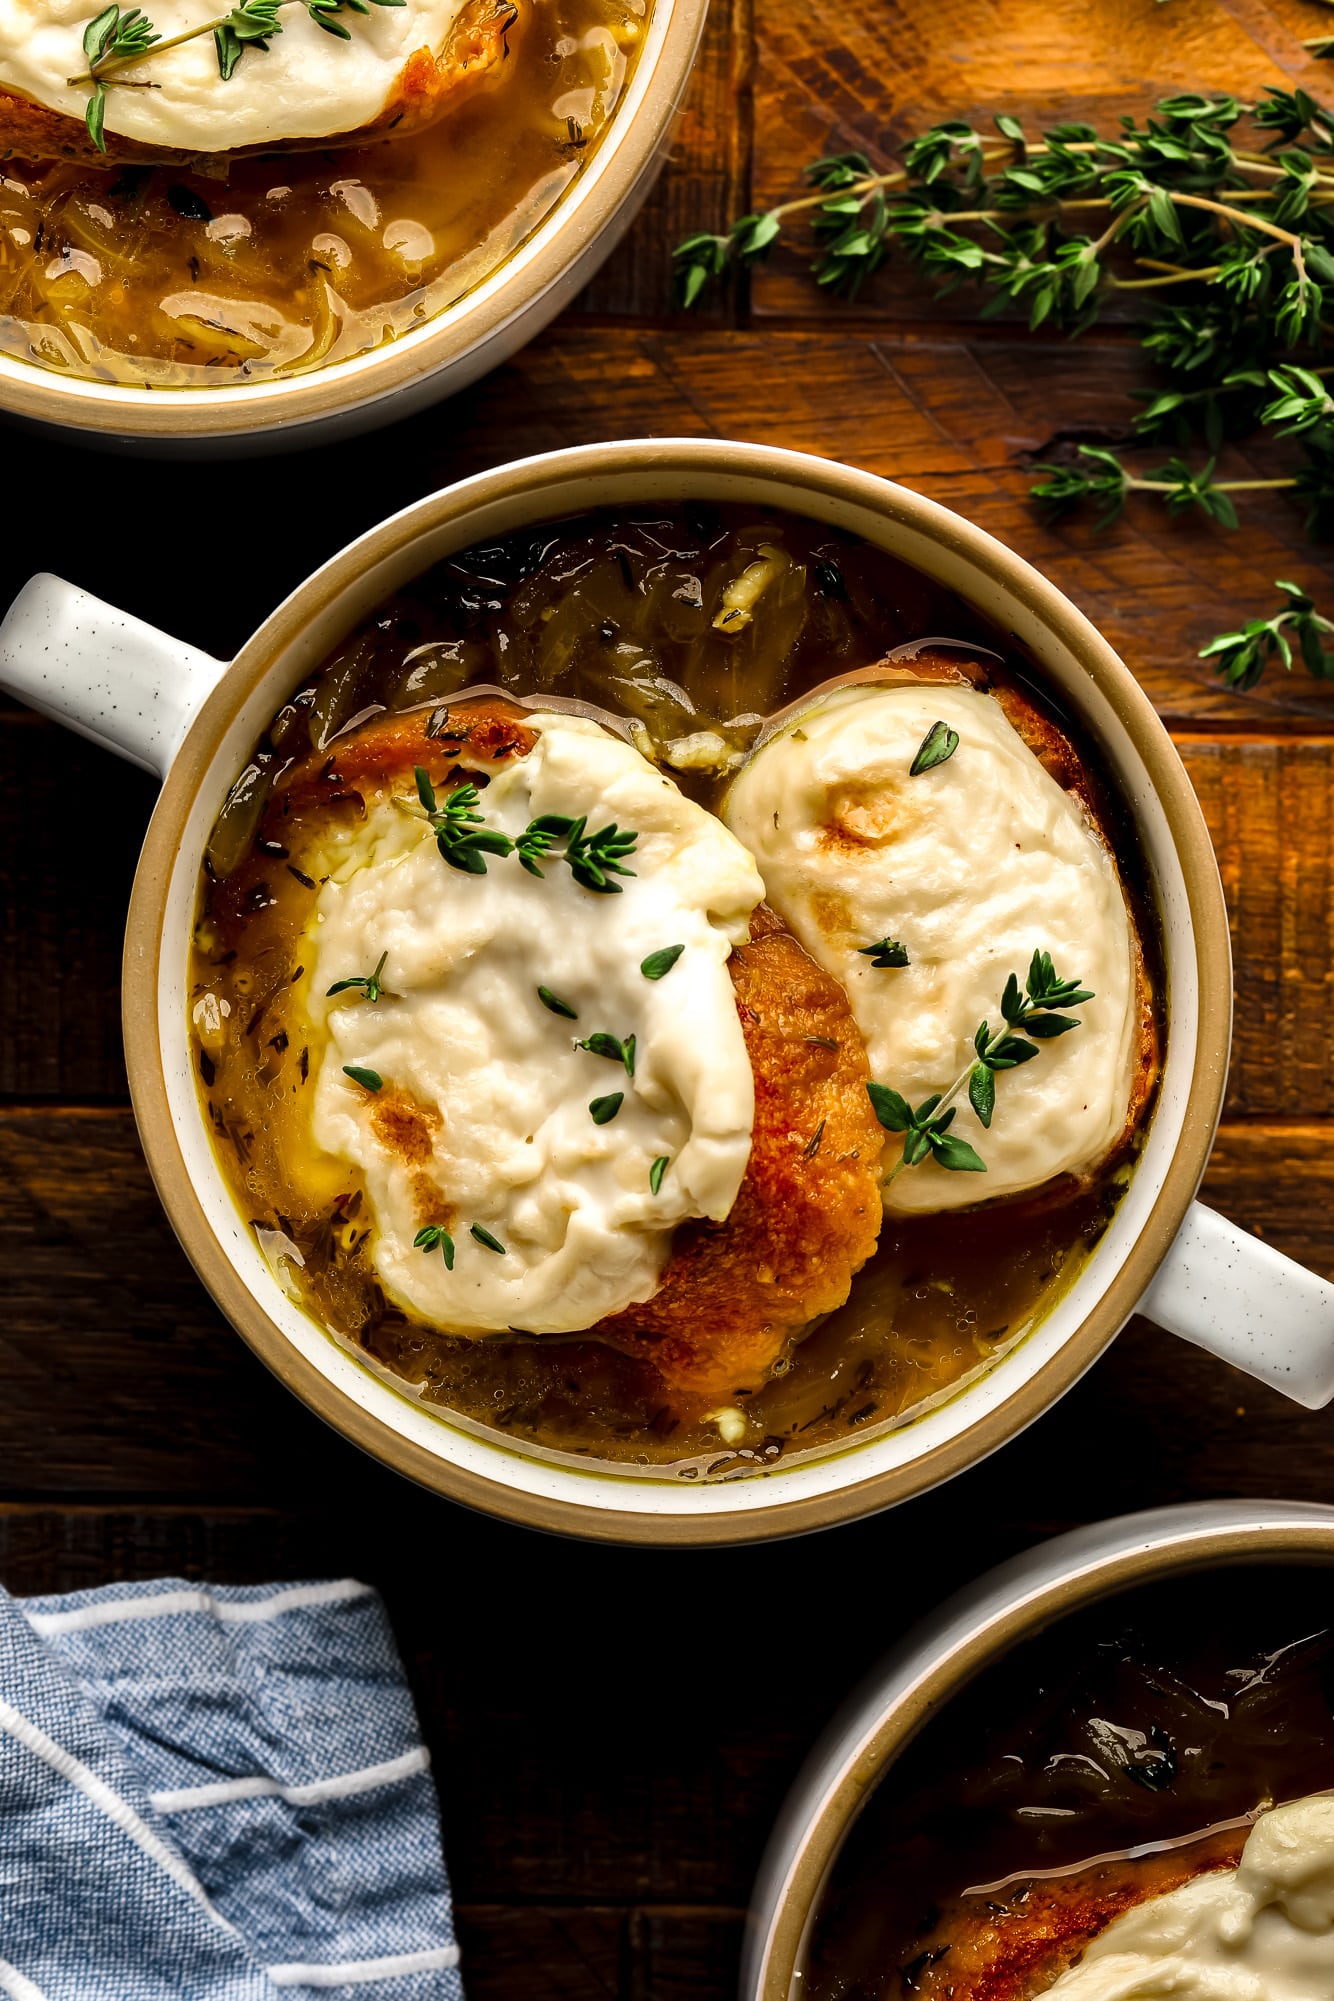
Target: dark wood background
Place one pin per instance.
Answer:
(613, 1730)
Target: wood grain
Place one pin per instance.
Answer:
(705, 187)
(121, 1379)
(827, 82)
(960, 419)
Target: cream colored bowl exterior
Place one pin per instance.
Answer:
(444, 355)
(941, 1655)
(140, 692)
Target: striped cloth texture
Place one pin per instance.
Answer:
(215, 1794)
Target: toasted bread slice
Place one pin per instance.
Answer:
(1012, 1944)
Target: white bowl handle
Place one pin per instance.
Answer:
(126, 685)
(1225, 1291)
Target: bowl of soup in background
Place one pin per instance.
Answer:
(484, 269)
(195, 720)
(821, 1921)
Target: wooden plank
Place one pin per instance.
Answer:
(961, 420)
(548, 1955)
(118, 1378)
(703, 186)
(71, 820)
(830, 79)
(1270, 810)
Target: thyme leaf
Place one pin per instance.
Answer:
(657, 1171)
(659, 964)
(370, 1080)
(555, 1005)
(599, 1043)
(1032, 1009)
(487, 1241)
(604, 1110)
(937, 746)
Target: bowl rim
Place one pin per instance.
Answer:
(563, 239)
(944, 1652)
(539, 482)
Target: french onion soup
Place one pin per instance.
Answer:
(620, 965)
(197, 198)
(1137, 1805)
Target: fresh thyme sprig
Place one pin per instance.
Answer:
(594, 858)
(369, 983)
(1180, 488)
(119, 37)
(1241, 657)
(465, 841)
(1036, 1010)
(1220, 212)
(111, 39)
(462, 837)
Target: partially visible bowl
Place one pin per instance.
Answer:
(440, 357)
(938, 1659)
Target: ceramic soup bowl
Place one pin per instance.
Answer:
(193, 720)
(936, 1661)
(446, 352)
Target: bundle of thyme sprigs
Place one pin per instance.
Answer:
(1225, 208)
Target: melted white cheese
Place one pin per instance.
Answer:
(1261, 1932)
(307, 85)
(971, 866)
(461, 1033)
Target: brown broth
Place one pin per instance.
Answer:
(181, 279)
(1180, 1708)
(613, 611)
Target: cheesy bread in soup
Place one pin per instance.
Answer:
(1139, 1805)
(615, 974)
(202, 196)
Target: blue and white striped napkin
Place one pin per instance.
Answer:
(215, 1795)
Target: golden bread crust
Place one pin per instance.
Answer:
(808, 1211)
(1013, 1945)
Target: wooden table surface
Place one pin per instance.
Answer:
(613, 1730)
